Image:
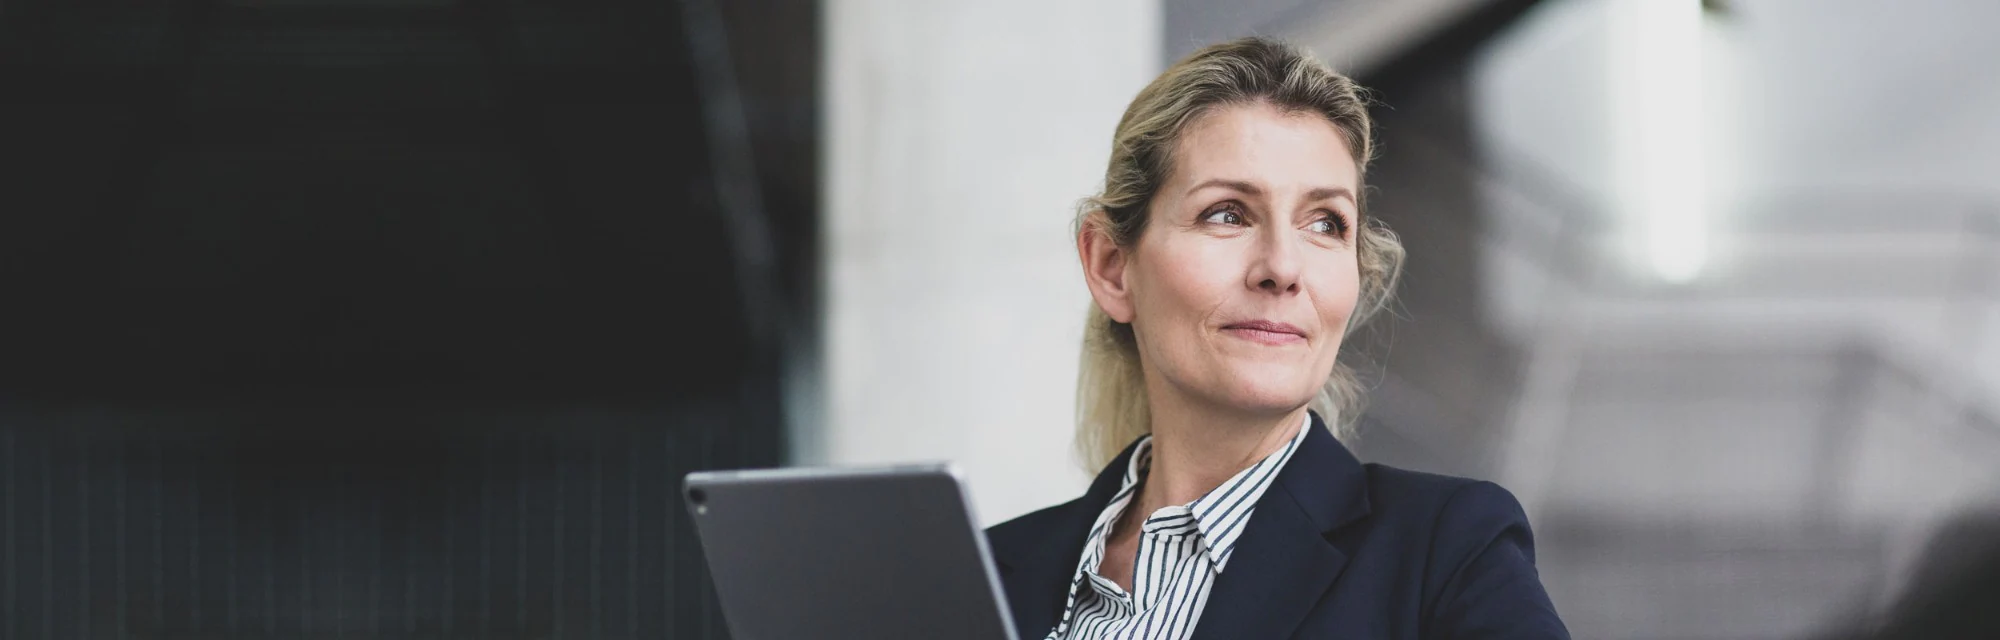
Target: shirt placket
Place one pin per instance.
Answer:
(1160, 552)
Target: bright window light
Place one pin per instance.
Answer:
(1660, 124)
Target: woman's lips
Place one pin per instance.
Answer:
(1266, 332)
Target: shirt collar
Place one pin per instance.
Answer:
(1221, 514)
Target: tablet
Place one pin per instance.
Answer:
(884, 552)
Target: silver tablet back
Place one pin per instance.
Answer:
(891, 552)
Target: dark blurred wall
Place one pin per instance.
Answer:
(1445, 376)
(388, 319)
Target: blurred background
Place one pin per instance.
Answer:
(403, 318)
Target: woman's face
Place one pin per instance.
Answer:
(1240, 288)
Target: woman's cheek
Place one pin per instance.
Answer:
(1338, 294)
(1193, 275)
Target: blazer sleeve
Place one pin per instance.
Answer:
(1483, 555)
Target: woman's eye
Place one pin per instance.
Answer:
(1330, 225)
(1224, 215)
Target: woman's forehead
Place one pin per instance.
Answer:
(1262, 147)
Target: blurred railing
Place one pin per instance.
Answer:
(1652, 572)
(1554, 226)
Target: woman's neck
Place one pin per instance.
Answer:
(1196, 449)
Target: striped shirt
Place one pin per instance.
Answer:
(1182, 548)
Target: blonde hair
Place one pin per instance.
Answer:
(1111, 390)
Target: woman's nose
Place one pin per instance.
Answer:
(1275, 268)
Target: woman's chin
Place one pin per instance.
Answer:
(1269, 398)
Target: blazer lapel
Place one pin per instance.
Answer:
(1283, 564)
(1036, 572)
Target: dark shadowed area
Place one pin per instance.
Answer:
(390, 319)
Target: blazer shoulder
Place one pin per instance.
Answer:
(1423, 490)
(1421, 486)
(1450, 507)
(1479, 553)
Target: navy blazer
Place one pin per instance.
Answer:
(1335, 549)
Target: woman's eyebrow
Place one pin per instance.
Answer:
(1243, 186)
(1251, 189)
(1330, 193)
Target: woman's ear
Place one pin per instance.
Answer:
(1104, 266)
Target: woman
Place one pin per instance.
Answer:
(1228, 256)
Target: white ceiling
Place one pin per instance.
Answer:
(1848, 96)
(1867, 93)
(1863, 140)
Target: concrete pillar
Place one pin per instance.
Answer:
(960, 136)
